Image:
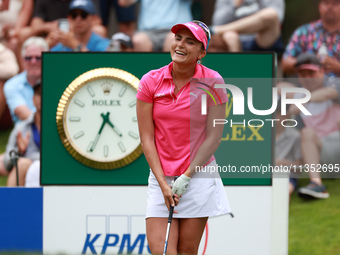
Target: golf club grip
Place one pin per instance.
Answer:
(171, 212)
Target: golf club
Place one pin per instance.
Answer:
(14, 158)
(171, 212)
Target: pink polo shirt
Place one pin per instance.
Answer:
(180, 128)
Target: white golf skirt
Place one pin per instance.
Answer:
(205, 197)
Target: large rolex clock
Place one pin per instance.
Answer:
(96, 118)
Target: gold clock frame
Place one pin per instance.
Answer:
(75, 85)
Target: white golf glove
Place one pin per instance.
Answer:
(180, 186)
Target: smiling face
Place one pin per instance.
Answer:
(185, 48)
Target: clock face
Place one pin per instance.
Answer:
(99, 123)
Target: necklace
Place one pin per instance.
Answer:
(175, 81)
(176, 87)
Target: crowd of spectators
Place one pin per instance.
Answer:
(31, 26)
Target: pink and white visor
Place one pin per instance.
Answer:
(309, 67)
(195, 29)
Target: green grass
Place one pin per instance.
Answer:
(3, 181)
(314, 226)
(3, 141)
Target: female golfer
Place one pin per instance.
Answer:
(178, 139)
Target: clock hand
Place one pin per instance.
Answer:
(105, 119)
(113, 126)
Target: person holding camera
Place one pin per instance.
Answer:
(80, 36)
(18, 90)
(24, 140)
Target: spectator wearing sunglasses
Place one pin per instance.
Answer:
(25, 140)
(46, 18)
(19, 89)
(80, 36)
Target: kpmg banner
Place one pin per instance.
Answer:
(111, 220)
(87, 105)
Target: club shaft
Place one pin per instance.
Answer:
(167, 238)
